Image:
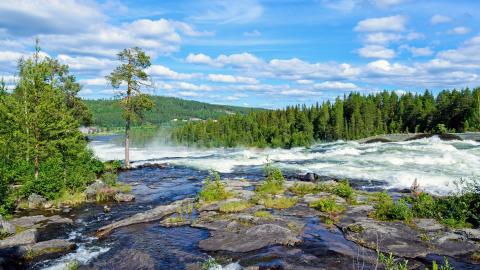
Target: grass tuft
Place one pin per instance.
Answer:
(235, 206)
(279, 203)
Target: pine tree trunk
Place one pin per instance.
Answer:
(127, 146)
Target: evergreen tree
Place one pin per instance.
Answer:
(133, 101)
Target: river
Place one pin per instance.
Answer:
(436, 165)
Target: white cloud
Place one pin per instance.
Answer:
(460, 30)
(238, 60)
(231, 79)
(392, 23)
(254, 33)
(86, 62)
(94, 82)
(341, 5)
(382, 38)
(199, 59)
(10, 56)
(376, 51)
(189, 94)
(418, 51)
(438, 19)
(305, 81)
(165, 72)
(328, 85)
(384, 67)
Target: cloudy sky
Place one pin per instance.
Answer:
(266, 53)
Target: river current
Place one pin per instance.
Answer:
(436, 165)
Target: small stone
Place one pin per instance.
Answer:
(48, 205)
(36, 201)
(122, 197)
(106, 209)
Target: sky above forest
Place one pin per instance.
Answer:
(267, 53)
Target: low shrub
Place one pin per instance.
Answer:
(273, 183)
(71, 198)
(263, 214)
(235, 206)
(388, 210)
(328, 205)
(302, 189)
(279, 203)
(344, 190)
(213, 190)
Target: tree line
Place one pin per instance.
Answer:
(107, 112)
(354, 116)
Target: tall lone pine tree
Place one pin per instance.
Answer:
(132, 73)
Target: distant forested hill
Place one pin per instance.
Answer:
(107, 112)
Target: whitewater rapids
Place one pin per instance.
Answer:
(437, 165)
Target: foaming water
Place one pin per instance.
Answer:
(436, 164)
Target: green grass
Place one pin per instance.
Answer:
(263, 214)
(213, 190)
(328, 205)
(302, 189)
(71, 198)
(176, 219)
(123, 187)
(279, 203)
(273, 183)
(235, 206)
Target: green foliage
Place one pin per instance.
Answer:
(389, 262)
(328, 205)
(302, 189)
(344, 190)
(209, 264)
(356, 116)
(109, 178)
(440, 129)
(388, 210)
(235, 206)
(279, 203)
(213, 189)
(273, 183)
(107, 112)
(263, 214)
(41, 146)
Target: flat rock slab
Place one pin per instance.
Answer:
(23, 238)
(422, 237)
(154, 214)
(48, 248)
(254, 238)
(39, 221)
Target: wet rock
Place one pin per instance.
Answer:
(36, 201)
(428, 225)
(39, 221)
(254, 238)
(400, 239)
(23, 238)
(299, 210)
(209, 207)
(48, 248)
(93, 189)
(128, 259)
(48, 205)
(472, 234)
(122, 197)
(310, 177)
(154, 214)
(6, 227)
(106, 209)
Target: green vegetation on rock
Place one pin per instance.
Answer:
(213, 189)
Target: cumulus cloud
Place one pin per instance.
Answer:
(336, 86)
(86, 62)
(238, 60)
(392, 23)
(231, 79)
(438, 19)
(418, 51)
(160, 71)
(460, 30)
(376, 51)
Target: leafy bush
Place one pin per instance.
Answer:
(235, 206)
(344, 190)
(109, 178)
(388, 210)
(273, 183)
(302, 189)
(213, 190)
(279, 203)
(328, 205)
(423, 205)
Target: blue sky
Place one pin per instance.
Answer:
(251, 52)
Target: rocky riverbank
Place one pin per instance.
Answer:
(22, 238)
(243, 223)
